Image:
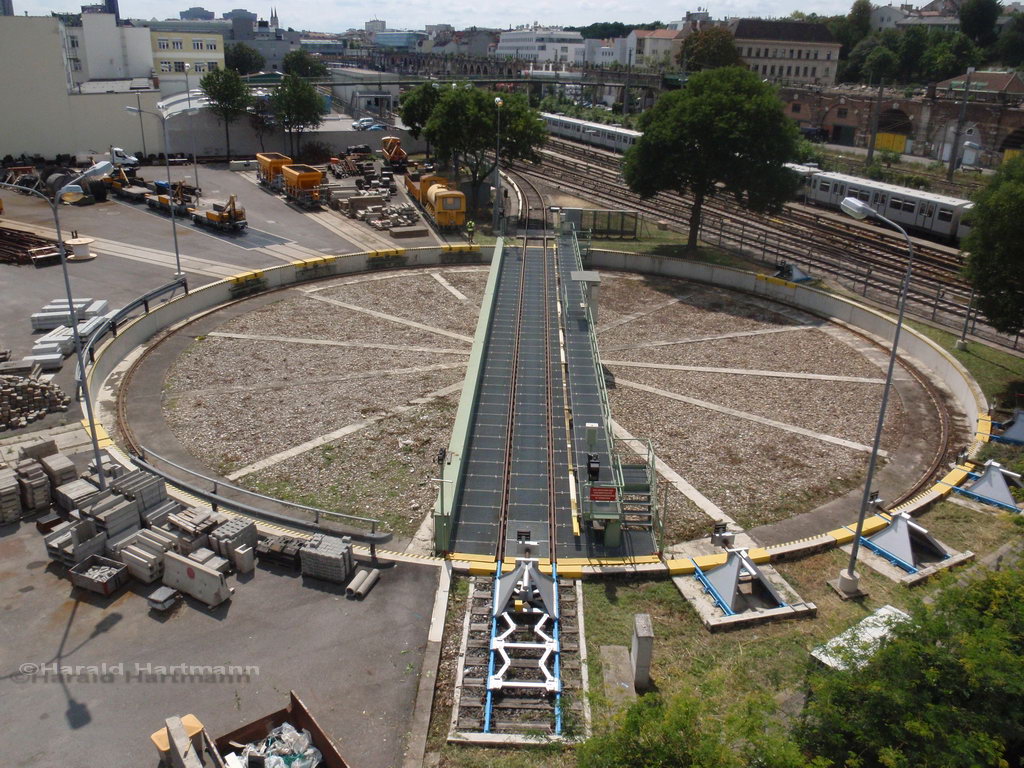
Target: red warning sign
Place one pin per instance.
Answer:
(603, 493)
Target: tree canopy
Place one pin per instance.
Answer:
(726, 127)
(1010, 45)
(709, 48)
(978, 20)
(242, 58)
(603, 30)
(297, 107)
(416, 105)
(463, 127)
(947, 688)
(229, 98)
(994, 264)
(303, 64)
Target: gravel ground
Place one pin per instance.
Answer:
(306, 317)
(755, 474)
(791, 401)
(382, 471)
(420, 298)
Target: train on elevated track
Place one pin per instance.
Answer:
(938, 216)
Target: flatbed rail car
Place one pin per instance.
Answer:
(269, 172)
(446, 207)
(302, 184)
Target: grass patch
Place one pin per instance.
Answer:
(965, 528)
(999, 374)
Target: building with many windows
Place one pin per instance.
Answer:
(788, 52)
(172, 50)
(541, 44)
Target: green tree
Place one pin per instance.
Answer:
(1010, 46)
(912, 45)
(881, 64)
(242, 58)
(261, 118)
(709, 48)
(229, 98)
(978, 20)
(994, 245)
(725, 128)
(303, 64)
(859, 20)
(297, 107)
(463, 127)
(946, 690)
(416, 105)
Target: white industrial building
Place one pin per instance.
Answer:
(542, 44)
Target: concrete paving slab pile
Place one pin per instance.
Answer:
(10, 496)
(328, 558)
(34, 486)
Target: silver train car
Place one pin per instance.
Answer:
(940, 216)
(597, 134)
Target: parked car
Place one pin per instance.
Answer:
(362, 123)
(377, 127)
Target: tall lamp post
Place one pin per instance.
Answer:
(71, 192)
(191, 127)
(848, 583)
(497, 171)
(167, 161)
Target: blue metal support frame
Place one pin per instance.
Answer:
(558, 653)
(489, 703)
(888, 555)
(987, 500)
(719, 601)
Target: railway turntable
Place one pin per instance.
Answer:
(532, 456)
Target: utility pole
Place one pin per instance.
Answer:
(875, 109)
(625, 88)
(954, 152)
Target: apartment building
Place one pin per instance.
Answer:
(788, 52)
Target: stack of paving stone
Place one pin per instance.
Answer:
(74, 494)
(34, 486)
(206, 557)
(24, 399)
(72, 542)
(236, 532)
(10, 496)
(59, 469)
(328, 558)
(281, 550)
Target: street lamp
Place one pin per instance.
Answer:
(72, 192)
(192, 127)
(167, 161)
(497, 171)
(848, 582)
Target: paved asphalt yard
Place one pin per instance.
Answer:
(355, 664)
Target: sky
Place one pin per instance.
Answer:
(340, 15)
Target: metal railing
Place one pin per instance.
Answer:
(217, 499)
(127, 312)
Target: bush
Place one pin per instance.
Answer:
(315, 152)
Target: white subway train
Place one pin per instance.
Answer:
(939, 216)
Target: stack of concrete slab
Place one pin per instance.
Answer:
(56, 313)
(60, 340)
(72, 542)
(34, 486)
(206, 557)
(112, 513)
(59, 469)
(236, 532)
(328, 558)
(191, 528)
(10, 496)
(111, 469)
(148, 491)
(74, 494)
(145, 555)
(157, 516)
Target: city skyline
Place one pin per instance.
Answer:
(341, 16)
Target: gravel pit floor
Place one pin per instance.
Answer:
(235, 401)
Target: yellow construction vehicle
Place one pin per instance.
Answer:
(227, 217)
